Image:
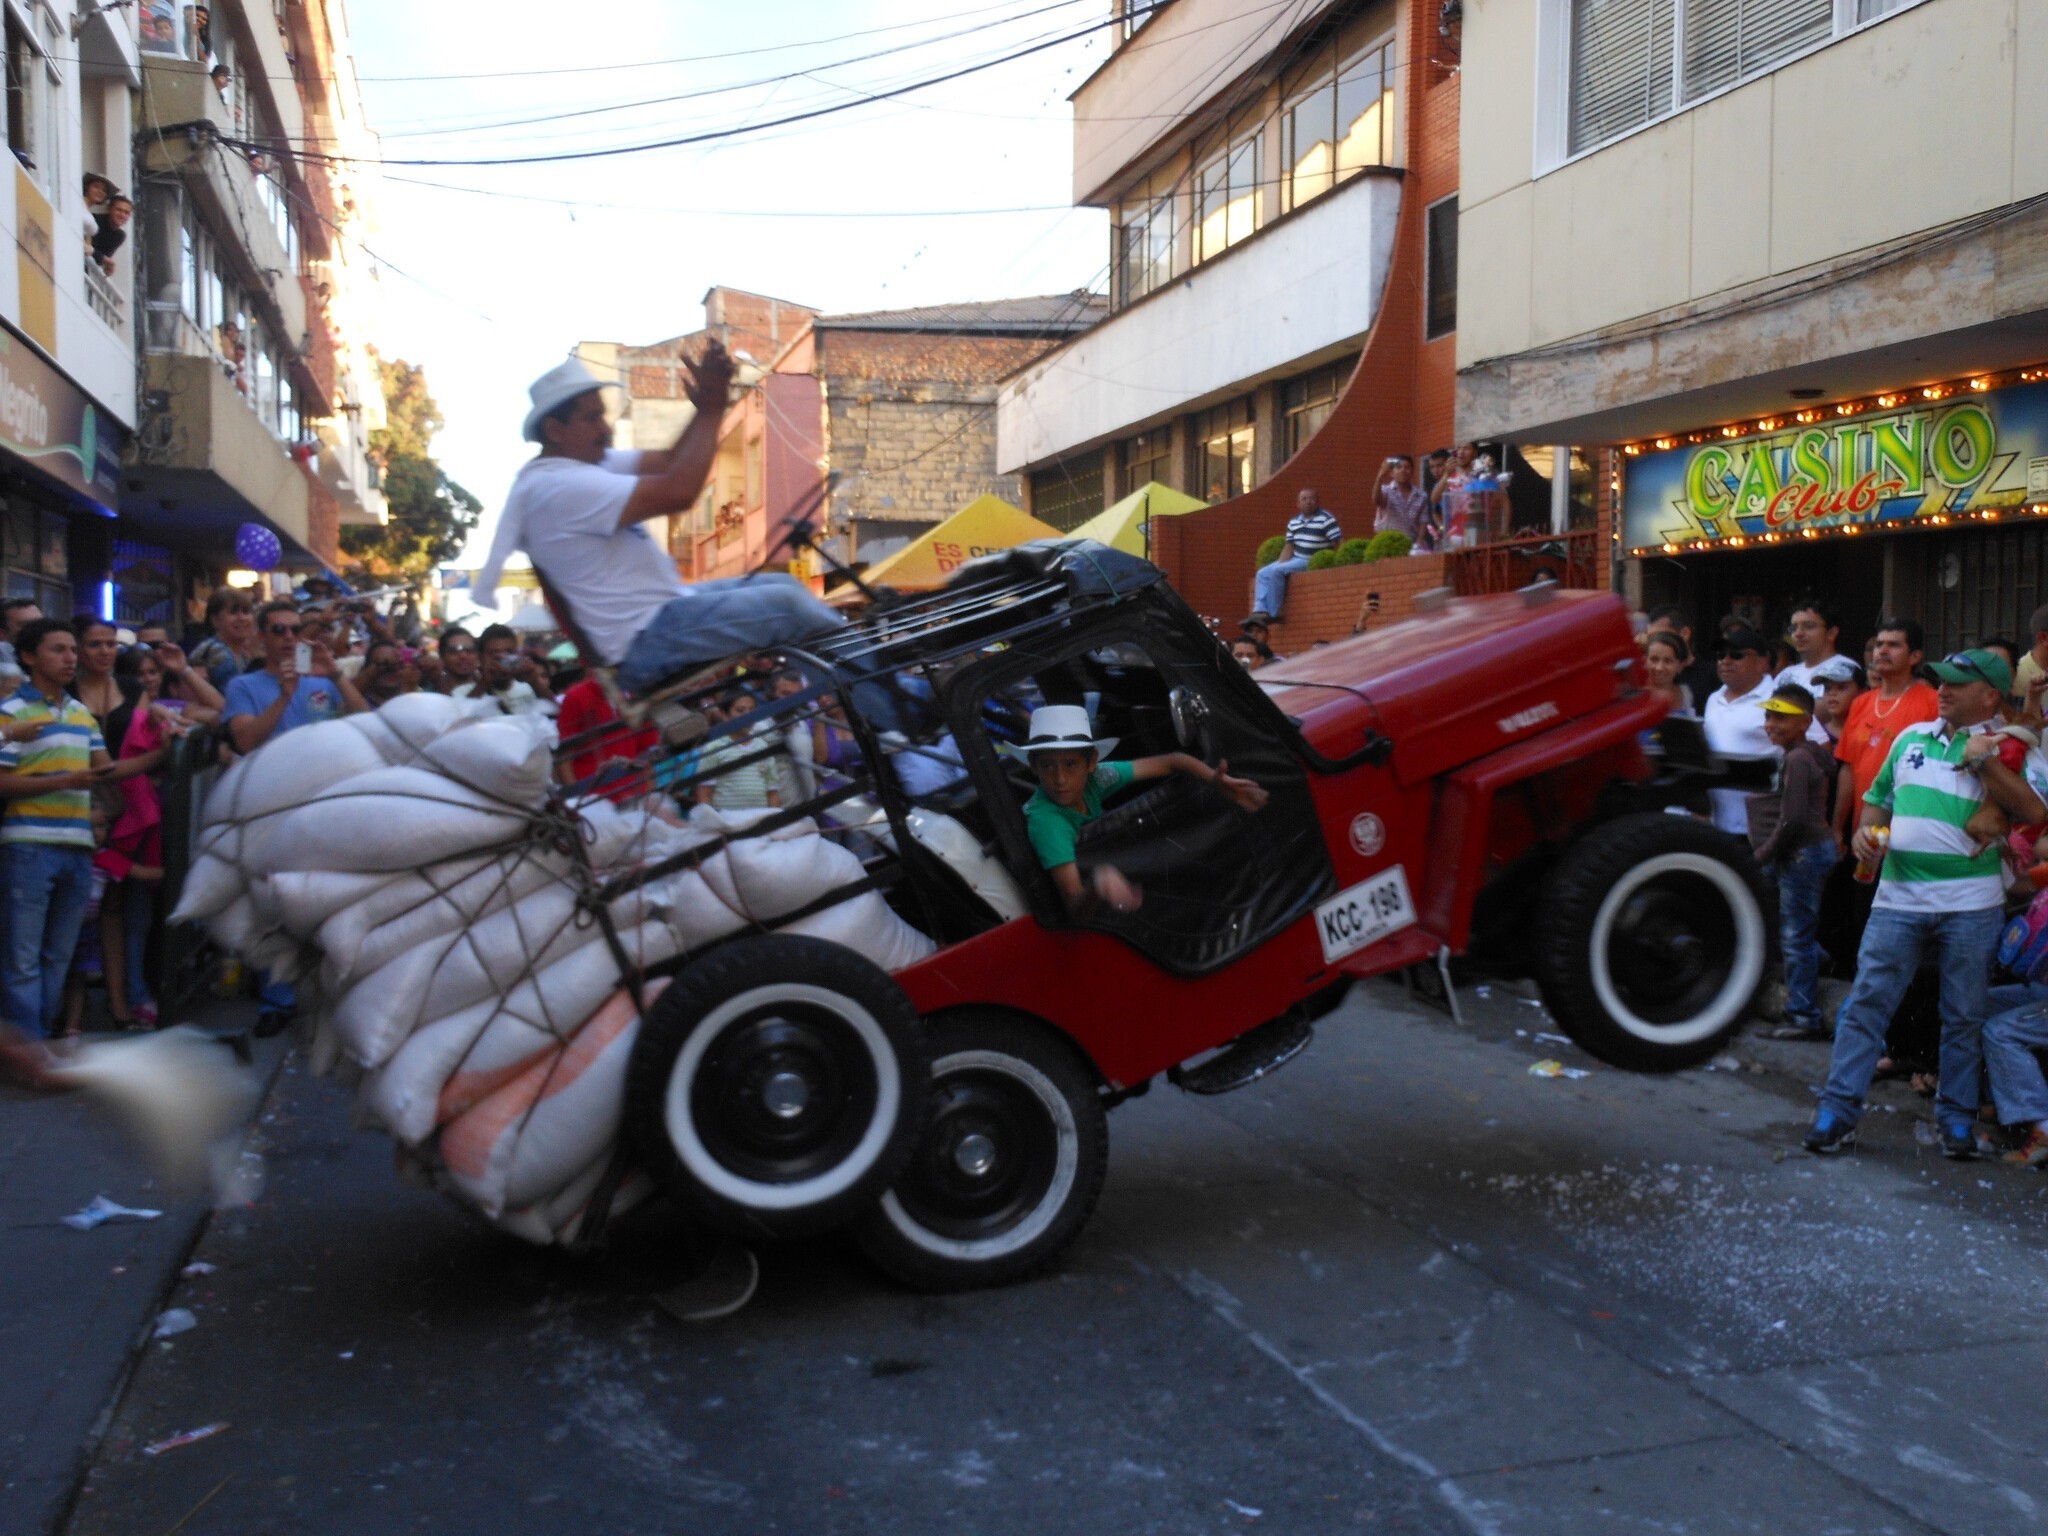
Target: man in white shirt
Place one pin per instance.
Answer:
(579, 506)
(1735, 723)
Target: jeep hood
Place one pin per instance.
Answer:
(1458, 683)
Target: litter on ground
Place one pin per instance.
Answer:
(1549, 1067)
(99, 1210)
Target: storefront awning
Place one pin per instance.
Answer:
(984, 525)
(1124, 525)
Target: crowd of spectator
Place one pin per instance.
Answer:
(1898, 807)
(94, 713)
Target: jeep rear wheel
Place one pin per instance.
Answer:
(1009, 1166)
(1652, 941)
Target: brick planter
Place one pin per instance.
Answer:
(1324, 605)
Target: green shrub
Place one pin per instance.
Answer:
(1354, 552)
(1270, 550)
(1322, 559)
(1389, 545)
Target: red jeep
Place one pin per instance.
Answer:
(1471, 781)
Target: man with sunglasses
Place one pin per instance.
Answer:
(1940, 887)
(275, 699)
(1735, 725)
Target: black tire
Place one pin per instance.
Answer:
(778, 1086)
(1652, 941)
(1010, 1164)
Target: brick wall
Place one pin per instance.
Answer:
(1325, 605)
(323, 522)
(910, 420)
(1401, 399)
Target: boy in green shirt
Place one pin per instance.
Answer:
(1073, 781)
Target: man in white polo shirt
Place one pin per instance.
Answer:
(1735, 725)
(1939, 887)
(579, 509)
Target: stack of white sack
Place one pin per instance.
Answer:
(399, 867)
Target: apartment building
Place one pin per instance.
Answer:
(1790, 259)
(1282, 271)
(67, 358)
(260, 387)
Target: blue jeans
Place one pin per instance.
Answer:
(1801, 879)
(2017, 1028)
(138, 912)
(48, 887)
(1269, 586)
(717, 619)
(1890, 953)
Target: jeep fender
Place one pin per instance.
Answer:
(1460, 840)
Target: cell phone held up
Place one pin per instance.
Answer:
(302, 658)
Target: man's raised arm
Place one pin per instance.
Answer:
(680, 474)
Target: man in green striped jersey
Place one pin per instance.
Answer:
(1941, 887)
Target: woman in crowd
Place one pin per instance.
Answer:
(227, 653)
(186, 691)
(95, 685)
(461, 666)
(1665, 655)
(132, 856)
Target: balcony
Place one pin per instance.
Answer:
(209, 461)
(1301, 291)
(105, 299)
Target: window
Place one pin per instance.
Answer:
(1225, 439)
(1307, 400)
(1440, 280)
(1630, 62)
(1143, 459)
(1227, 197)
(1068, 493)
(1339, 118)
(24, 97)
(1145, 249)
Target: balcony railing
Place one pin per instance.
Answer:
(103, 298)
(1569, 559)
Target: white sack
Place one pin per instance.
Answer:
(532, 1137)
(303, 899)
(868, 926)
(431, 905)
(506, 759)
(762, 878)
(211, 885)
(392, 819)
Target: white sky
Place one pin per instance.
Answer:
(495, 289)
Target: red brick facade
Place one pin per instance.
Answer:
(1327, 605)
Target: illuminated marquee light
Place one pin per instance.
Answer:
(1948, 455)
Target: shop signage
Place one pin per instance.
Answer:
(1963, 454)
(51, 423)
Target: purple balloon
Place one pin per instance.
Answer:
(257, 547)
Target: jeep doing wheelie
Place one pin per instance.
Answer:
(1462, 782)
(866, 1004)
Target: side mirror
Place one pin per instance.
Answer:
(1190, 717)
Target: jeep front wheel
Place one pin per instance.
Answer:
(1652, 941)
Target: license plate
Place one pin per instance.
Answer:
(1365, 914)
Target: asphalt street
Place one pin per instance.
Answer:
(1401, 1285)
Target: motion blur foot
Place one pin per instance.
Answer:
(2032, 1152)
(1830, 1133)
(272, 1021)
(724, 1285)
(1958, 1143)
(1812, 1033)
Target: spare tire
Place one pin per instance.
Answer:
(1651, 941)
(778, 1085)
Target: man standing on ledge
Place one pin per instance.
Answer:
(579, 506)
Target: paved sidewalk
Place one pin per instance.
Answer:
(80, 1305)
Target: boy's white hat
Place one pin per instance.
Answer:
(1061, 728)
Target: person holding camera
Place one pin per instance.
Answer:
(1399, 504)
(297, 685)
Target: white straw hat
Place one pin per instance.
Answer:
(1061, 728)
(557, 387)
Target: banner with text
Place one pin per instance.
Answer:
(1882, 469)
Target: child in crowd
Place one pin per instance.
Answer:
(1072, 783)
(1795, 842)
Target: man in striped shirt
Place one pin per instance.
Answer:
(46, 841)
(1310, 531)
(1940, 887)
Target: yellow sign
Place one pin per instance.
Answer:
(35, 240)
